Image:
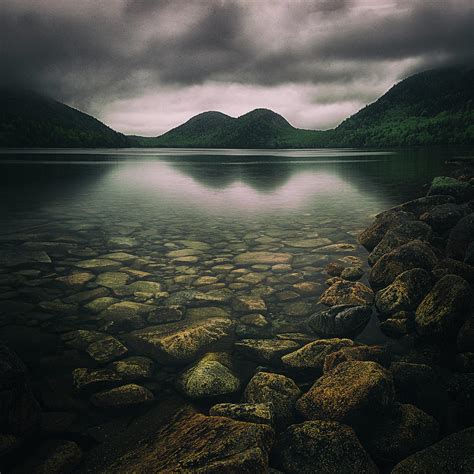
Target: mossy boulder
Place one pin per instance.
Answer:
(405, 293)
(340, 321)
(452, 455)
(277, 389)
(346, 292)
(460, 238)
(415, 254)
(424, 204)
(441, 313)
(323, 447)
(443, 217)
(354, 393)
(461, 191)
(404, 431)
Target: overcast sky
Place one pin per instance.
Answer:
(145, 66)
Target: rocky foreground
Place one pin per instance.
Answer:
(205, 380)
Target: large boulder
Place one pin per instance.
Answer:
(347, 292)
(452, 455)
(461, 191)
(415, 254)
(371, 236)
(406, 430)
(424, 204)
(211, 376)
(354, 393)
(265, 351)
(460, 237)
(324, 447)
(19, 410)
(182, 342)
(441, 313)
(280, 391)
(379, 354)
(400, 235)
(192, 442)
(405, 293)
(340, 321)
(311, 357)
(443, 217)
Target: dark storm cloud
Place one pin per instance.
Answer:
(94, 52)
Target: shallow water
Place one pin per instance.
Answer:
(180, 219)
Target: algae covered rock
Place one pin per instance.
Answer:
(250, 412)
(452, 455)
(405, 293)
(340, 321)
(323, 447)
(415, 254)
(406, 430)
(442, 311)
(192, 442)
(460, 238)
(354, 393)
(280, 391)
(346, 292)
(379, 354)
(265, 351)
(443, 217)
(123, 396)
(460, 190)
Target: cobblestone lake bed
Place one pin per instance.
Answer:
(241, 304)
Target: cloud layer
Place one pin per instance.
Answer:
(144, 66)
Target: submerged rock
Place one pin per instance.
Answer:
(453, 454)
(250, 412)
(265, 351)
(405, 293)
(415, 254)
(347, 293)
(182, 342)
(123, 396)
(112, 279)
(354, 393)
(323, 447)
(280, 391)
(206, 444)
(404, 432)
(125, 316)
(377, 354)
(209, 377)
(340, 321)
(266, 258)
(248, 304)
(441, 313)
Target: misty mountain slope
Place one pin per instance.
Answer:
(28, 119)
(431, 108)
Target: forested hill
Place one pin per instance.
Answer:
(431, 108)
(28, 119)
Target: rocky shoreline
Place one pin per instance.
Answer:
(206, 380)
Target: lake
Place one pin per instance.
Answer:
(98, 246)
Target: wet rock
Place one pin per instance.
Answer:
(443, 217)
(19, 410)
(86, 296)
(218, 296)
(377, 354)
(405, 431)
(424, 204)
(280, 391)
(261, 413)
(209, 377)
(265, 351)
(123, 396)
(256, 320)
(296, 309)
(125, 316)
(52, 457)
(206, 313)
(266, 258)
(182, 342)
(352, 273)
(453, 454)
(441, 313)
(75, 280)
(307, 243)
(322, 446)
(347, 293)
(449, 266)
(405, 293)
(415, 254)
(12, 257)
(400, 235)
(99, 265)
(100, 304)
(465, 338)
(371, 236)
(249, 304)
(206, 444)
(133, 368)
(122, 243)
(112, 279)
(461, 191)
(460, 238)
(150, 287)
(54, 423)
(311, 357)
(307, 288)
(397, 327)
(57, 306)
(166, 314)
(93, 379)
(354, 393)
(340, 321)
